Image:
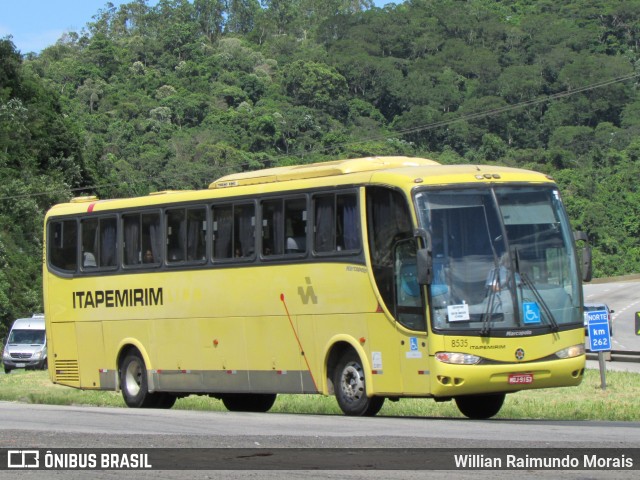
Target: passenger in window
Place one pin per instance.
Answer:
(88, 260)
(148, 257)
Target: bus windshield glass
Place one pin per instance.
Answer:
(503, 260)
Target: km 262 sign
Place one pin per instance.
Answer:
(599, 334)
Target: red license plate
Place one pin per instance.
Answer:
(520, 378)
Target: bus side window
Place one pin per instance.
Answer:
(295, 223)
(284, 226)
(325, 224)
(234, 231)
(131, 249)
(142, 238)
(196, 234)
(90, 242)
(108, 246)
(337, 226)
(222, 231)
(272, 231)
(62, 244)
(175, 235)
(99, 245)
(244, 228)
(347, 222)
(151, 238)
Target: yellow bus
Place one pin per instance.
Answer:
(367, 279)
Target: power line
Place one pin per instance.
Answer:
(487, 113)
(527, 103)
(420, 128)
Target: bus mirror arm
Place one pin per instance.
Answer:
(424, 260)
(587, 269)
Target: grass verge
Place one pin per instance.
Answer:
(620, 401)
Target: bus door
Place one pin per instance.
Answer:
(409, 311)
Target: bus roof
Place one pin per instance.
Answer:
(381, 170)
(315, 170)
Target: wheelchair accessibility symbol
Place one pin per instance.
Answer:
(531, 312)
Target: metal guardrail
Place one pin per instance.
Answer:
(616, 356)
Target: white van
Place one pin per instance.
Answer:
(26, 345)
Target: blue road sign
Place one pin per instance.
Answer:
(599, 334)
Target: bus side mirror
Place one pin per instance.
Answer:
(586, 267)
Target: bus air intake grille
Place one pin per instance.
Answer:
(67, 371)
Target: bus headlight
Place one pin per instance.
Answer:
(457, 358)
(37, 355)
(570, 352)
(5, 354)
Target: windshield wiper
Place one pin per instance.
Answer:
(494, 288)
(536, 293)
(488, 313)
(545, 308)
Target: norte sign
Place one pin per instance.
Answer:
(599, 334)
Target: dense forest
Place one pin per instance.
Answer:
(174, 95)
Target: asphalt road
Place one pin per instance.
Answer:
(47, 426)
(624, 298)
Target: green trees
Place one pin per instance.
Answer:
(40, 160)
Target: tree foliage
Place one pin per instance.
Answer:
(176, 94)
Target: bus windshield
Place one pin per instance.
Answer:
(503, 260)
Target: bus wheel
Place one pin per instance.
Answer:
(7, 370)
(249, 402)
(133, 381)
(480, 406)
(350, 389)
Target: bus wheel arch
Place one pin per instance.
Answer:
(347, 380)
(134, 382)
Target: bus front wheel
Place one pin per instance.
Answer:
(350, 388)
(135, 389)
(480, 407)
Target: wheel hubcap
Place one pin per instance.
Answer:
(133, 378)
(352, 382)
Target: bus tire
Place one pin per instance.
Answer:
(350, 388)
(133, 382)
(480, 407)
(7, 370)
(249, 402)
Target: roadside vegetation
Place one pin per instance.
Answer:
(617, 402)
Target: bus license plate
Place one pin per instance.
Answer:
(520, 378)
(21, 365)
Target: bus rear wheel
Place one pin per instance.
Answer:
(249, 402)
(480, 407)
(351, 390)
(135, 389)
